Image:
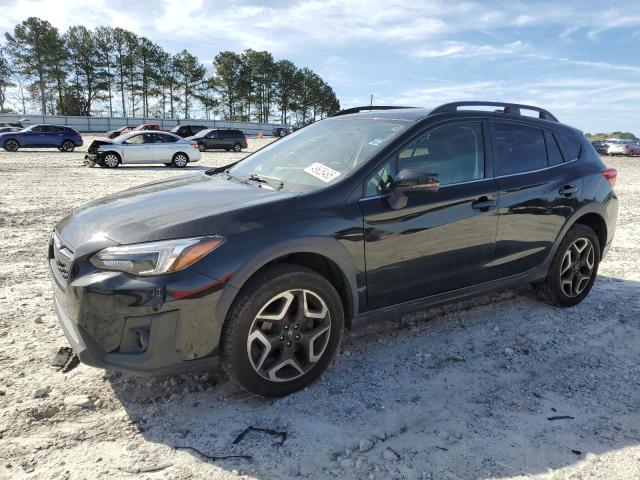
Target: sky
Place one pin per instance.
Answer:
(578, 59)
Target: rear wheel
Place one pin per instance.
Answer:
(237, 147)
(11, 146)
(180, 160)
(67, 146)
(282, 331)
(111, 160)
(573, 270)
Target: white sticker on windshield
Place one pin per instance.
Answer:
(322, 172)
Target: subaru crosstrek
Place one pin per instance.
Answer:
(373, 213)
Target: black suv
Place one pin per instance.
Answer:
(227, 139)
(281, 131)
(187, 130)
(373, 213)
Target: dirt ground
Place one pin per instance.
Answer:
(503, 387)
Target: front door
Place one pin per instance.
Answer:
(439, 241)
(213, 139)
(138, 149)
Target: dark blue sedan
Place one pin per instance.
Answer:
(63, 138)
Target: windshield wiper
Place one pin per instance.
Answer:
(235, 177)
(275, 183)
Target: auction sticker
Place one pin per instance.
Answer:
(322, 172)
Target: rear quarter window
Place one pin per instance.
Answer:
(570, 146)
(553, 150)
(518, 148)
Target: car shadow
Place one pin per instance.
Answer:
(497, 386)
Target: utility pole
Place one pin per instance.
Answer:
(371, 104)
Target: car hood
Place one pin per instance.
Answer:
(180, 207)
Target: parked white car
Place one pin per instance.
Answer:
(143, 147)
(623, 147)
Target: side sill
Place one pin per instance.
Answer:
(397, 311)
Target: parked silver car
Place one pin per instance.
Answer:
(143, 147)
(623, 147)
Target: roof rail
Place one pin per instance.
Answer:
(366, 108)
(509, 108)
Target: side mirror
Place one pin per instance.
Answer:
(411, 181)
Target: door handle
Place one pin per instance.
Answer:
(568, 190)
(484, 204)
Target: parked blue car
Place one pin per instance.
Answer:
(63, 138)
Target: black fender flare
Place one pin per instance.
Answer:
(591, 207)
(327, 247)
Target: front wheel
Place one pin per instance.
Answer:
(111, 160)
(282, 331)
(11, 146)
(573, 269)
(202, 147)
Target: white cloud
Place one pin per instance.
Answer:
(453, 49)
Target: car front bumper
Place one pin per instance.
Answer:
(142, 325)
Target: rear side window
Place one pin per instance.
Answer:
(553, 151)
(519, 148)
(570, 146)
(161, 138)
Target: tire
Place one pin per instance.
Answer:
(180, 160)
(11, 145)
(573, 270)
(67, 146)
(285, 366)
(281, 134)
(237, 147)
(202, 147)
(111, 160)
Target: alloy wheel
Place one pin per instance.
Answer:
(180, 160)
(68, 146)
(237, 147)
(577, 267)
(111, 160)
(11, 145)
(202, 147)
(289, 335)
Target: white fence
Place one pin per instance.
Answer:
(104, 124)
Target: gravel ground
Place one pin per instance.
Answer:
(500, 387)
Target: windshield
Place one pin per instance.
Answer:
(322, 153)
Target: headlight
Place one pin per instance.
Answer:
(156, 258)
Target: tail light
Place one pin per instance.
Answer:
(194, 145)
(611, 175)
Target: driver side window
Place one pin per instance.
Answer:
(455, 151)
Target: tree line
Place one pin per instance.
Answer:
(617, 134)
(112, 71)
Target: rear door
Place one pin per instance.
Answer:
(164, 147)
(540, 187)
(439, 241)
